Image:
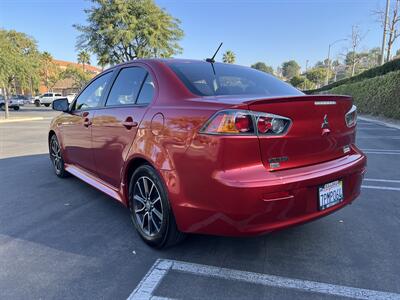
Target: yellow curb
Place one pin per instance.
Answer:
(22, 119)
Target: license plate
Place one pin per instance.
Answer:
(330, 194)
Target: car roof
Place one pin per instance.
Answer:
(163, 60)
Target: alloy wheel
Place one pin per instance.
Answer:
(55, 153)
(147, 206)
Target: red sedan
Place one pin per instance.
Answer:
(201, 147)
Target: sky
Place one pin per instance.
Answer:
(271, 31)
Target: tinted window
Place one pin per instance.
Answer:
(201, 79)
(147, 91)
(91, 96)
(58, 95)
(47, 95)
(126, 87)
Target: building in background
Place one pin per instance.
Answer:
(66, 86)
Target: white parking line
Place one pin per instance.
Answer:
(377, 187)
(380, 150)
(391, 137)
(382, 153)
(364, 128)
(382, 180)
(161, 267)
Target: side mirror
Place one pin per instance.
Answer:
(61, 104)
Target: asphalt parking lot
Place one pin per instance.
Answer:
(62, 239)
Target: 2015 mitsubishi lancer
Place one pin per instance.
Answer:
(202, 147)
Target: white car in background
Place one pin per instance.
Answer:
(47, 99)
(11, 104)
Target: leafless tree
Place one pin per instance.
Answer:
(355, 40)
(393, 24)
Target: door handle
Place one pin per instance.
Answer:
(129, 123)
(87, 122)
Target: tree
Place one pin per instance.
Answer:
(302, 83)
(398, 53)
(79, 77)
(123, 30)
(19, 61)
(263, 67)
(84, 59)
(392, 27)
(373, 57)
(229, 57)
(290, 69)
(49, 72)
(317, 75)
(353, 62)
(355, 40)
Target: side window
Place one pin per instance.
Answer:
(91, 96)
(147, 91)
(126, 87)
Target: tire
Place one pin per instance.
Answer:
(16, 107)
(2, 106)
(37, 103)
(56, 157)
(150, 209)
(47, 105)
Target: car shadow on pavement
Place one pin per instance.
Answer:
(69, 215)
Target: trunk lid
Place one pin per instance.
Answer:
(318, 131)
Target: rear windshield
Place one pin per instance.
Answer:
(224, 79)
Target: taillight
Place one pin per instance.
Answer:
(351, 117)
(245, 122)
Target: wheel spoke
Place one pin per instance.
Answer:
(140, 190)
(139, 199)
(139, 210)
(142, 220)
(151, 189)
(148, 223)
(157, 213)
(146, 187)
(156, 200)
(155, 224)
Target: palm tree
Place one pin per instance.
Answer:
(47, 60)
(229, 57)
(84, 59)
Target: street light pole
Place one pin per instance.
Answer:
(382, 60)
(329, 59)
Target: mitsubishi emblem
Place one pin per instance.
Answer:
(325, 124)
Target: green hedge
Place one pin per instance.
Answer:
(376, 96)
(391, 66)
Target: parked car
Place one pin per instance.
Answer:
(11, 104)
(21, 100)
(47, 98)
(199, 147)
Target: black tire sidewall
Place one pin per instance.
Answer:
(159, 239)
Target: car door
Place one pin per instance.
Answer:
(115, 126)
(76, 125)
(45, 98)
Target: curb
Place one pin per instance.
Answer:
(379, 122)
(23, 119)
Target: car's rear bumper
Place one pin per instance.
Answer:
(252, 201)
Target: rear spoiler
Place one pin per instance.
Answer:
(299, 98)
